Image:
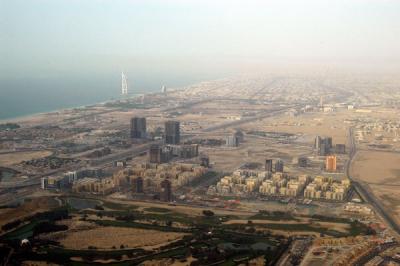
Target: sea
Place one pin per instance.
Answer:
(28, 96)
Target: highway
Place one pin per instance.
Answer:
(265, 114)
(364, 191)
(144, 147)
(135, 151)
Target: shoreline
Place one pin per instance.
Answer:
(27, 117)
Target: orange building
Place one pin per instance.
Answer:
(330, 164)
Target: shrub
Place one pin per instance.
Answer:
(208, 213)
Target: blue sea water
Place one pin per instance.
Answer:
(26, 96)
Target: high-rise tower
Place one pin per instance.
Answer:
(268, 165)
(166, 191)
(330, 163)
(138, 128)
(279, 166)
(124, 84)
(172, 132)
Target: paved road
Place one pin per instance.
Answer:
(265, 114)
(106, 161)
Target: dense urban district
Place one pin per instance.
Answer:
(250, 170)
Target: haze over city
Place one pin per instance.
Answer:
(199, 132)
(55, 38)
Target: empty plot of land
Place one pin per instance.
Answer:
(377, 167)
(169, 261)
(381, 170)
(254, 149)
(324, 124)
(38, 263)
(109, 237)
(9, 159)
(389, 196)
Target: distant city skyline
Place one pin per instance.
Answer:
(72, 51)
(201, 132)
(52, 38)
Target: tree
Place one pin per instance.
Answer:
(250, 230)
(208, 213)
(99, 208)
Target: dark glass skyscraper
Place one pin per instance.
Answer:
(166, 191)
(138, 128)
(137, 186)
(268, 165)
(155, 153)
(172, 132)
(279, 166)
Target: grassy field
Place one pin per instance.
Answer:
(28, 208)
(124, 224)
(131, 233)
(156, 209)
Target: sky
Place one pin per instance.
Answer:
(50, 38)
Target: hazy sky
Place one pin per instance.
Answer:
(46, 36)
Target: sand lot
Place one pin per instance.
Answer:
(377, 167)
(236, 221)
(229, 159)
(107, 237)
(9, 159)
(389, 196)
(254, 149)
(310, 124)
(381, 170)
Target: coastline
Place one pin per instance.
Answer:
(24, 118)
(27, 117)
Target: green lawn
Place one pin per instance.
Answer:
(156, 209)
(140, 225)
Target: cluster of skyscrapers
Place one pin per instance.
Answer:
(323, 146)
(138, 130)
(235, 139)
(274, 166)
